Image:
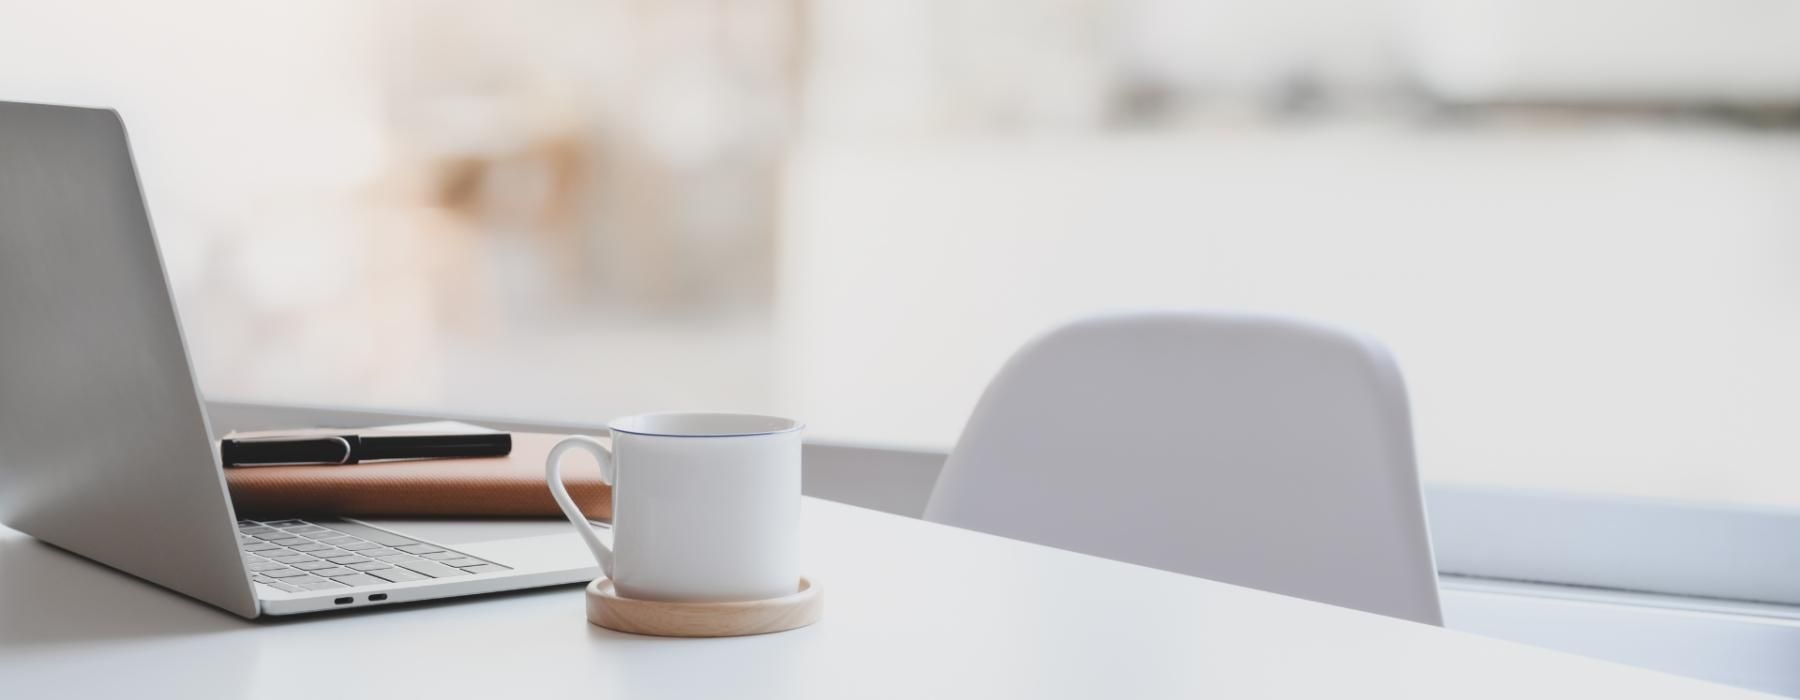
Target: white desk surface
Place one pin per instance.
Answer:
(913, 610)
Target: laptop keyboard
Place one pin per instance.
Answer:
(297, 556)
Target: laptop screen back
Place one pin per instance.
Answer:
(104, 445)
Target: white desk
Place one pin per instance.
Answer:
(913, 610)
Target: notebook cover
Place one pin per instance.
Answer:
(488, 486)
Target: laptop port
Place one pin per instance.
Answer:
(344, 601)
(377, 597)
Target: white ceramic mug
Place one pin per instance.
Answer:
(706, 506)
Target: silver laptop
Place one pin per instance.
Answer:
(105, 447)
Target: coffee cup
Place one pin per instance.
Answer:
(706, 506)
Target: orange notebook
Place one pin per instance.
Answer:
(488, 486)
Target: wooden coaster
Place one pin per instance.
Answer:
(671, 619)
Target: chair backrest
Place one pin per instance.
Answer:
(1263, 452)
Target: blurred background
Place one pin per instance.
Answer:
(1576, 222)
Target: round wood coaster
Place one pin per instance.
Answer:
(671, 619)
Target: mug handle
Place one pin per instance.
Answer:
(553, 476)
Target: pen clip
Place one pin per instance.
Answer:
(283, 438)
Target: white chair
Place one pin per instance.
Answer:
(1263, 452)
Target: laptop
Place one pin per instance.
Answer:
(105, 445)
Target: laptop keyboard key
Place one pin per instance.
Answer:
(433, 569)
(360, 580)
(381, 537)
(296, 556)
(399, 575)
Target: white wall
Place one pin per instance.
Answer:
(257, 135)
(1596, 51)
(236, 109)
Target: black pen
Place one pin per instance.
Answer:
(353, 448)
